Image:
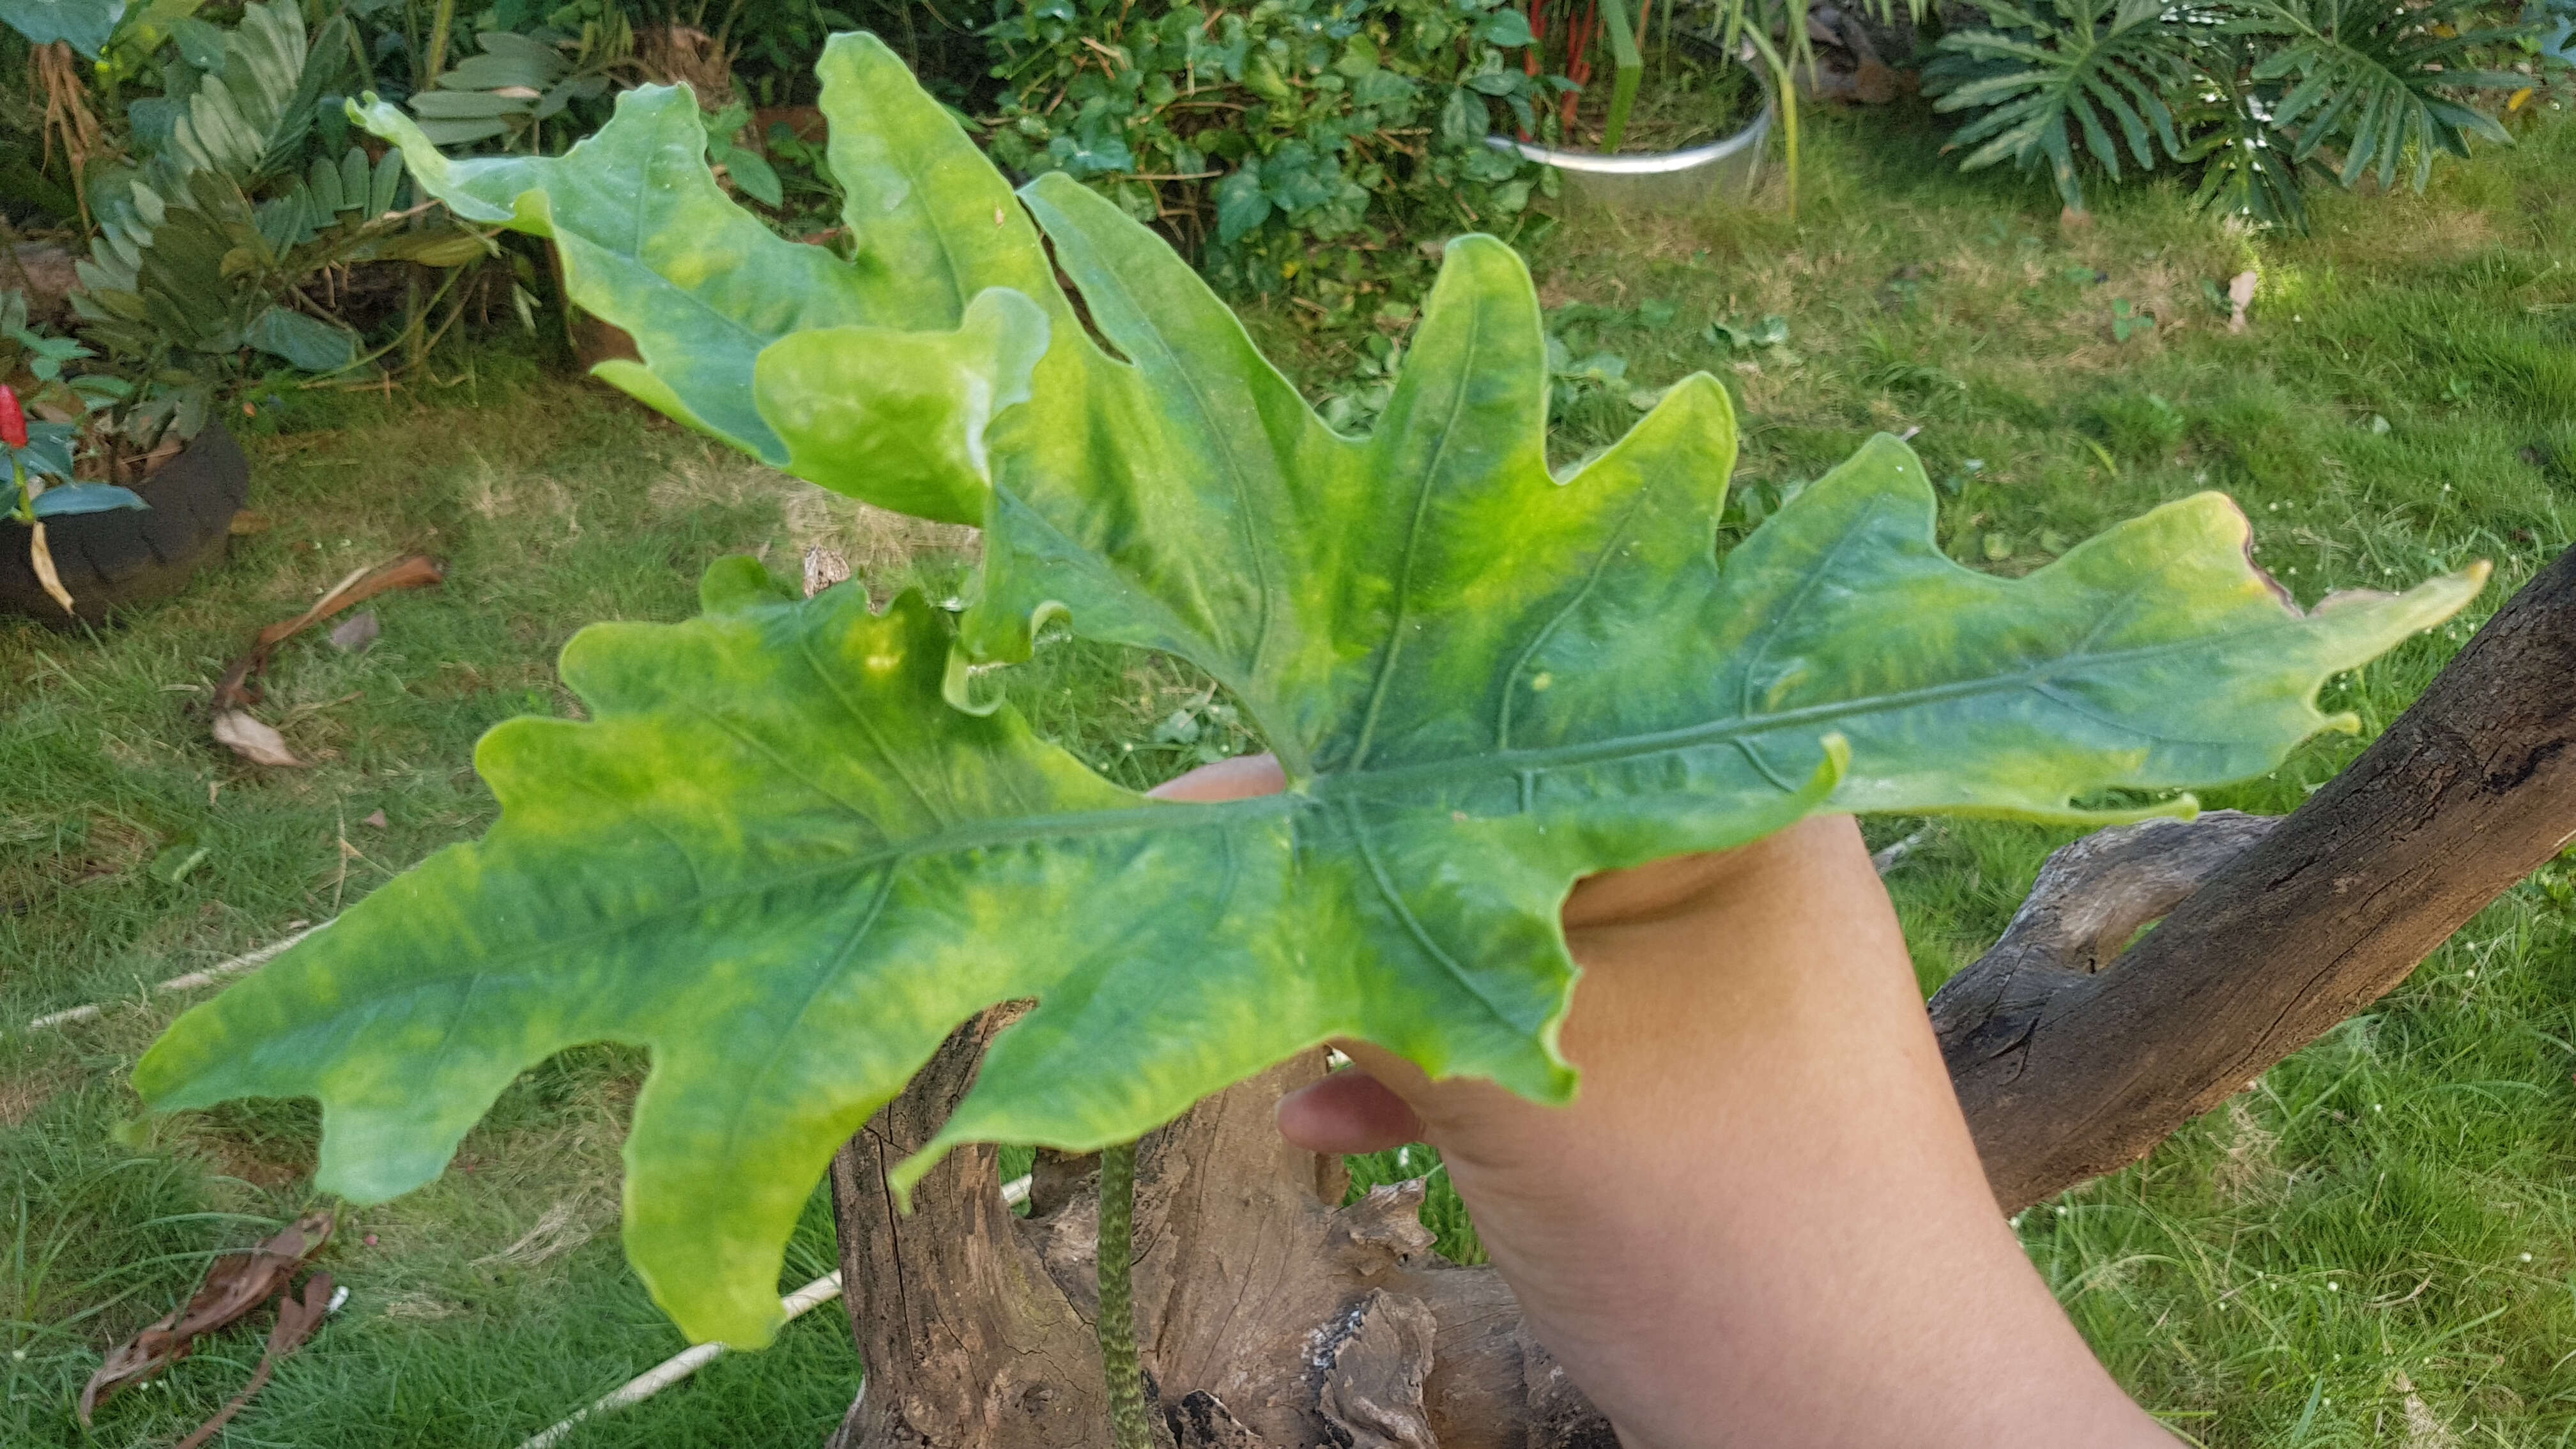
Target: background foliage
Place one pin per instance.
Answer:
(1304, 144)
(2258, 96)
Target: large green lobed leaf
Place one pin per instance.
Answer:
(780, 859)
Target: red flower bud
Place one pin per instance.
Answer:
(13, 419)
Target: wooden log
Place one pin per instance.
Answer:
(2068, 1070)
(966, 1338)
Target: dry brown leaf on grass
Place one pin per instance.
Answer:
(2240, 295)
(414, 572)
(296, 1320)
(235, 693)
(247, 737)
(236, 1284)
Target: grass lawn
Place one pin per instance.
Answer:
(2376, 1245)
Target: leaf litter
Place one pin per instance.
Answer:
(235, 1285)
(235, 727)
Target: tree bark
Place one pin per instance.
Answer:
(966, 1338)
(1272, 1318)
(2068, 1071)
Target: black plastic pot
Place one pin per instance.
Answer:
(128, 556)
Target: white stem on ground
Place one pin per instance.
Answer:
(680, 1365)
(192, 981)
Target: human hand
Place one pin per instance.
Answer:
(1761, 1221)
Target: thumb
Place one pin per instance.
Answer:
(1348, 1112)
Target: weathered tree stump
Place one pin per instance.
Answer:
(1273, 1319)
(2073, 1067)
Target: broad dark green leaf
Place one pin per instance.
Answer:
(1240, 205)
(751, 172)
(48, 452)
(87, 24)
(71, 498)
(305, 342)
(250, 120)
(2049, 76)
(776, 856)
(467, 105)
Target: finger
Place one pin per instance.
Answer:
(1240, 778)
(1349, 1111)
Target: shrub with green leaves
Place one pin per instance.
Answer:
(522, 90)
(1299, 143)
(2258, 96)
(234, 202)
(788, 849)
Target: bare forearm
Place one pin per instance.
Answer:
(1763, 1222)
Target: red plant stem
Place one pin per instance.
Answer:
(1538, 39)
(1578, 68)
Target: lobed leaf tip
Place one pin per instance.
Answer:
(739, 582)
(1699, 392)
(1564, 1083)
(1470, 243)
(735, 1311)
(1895, 453)
(906, 1175)
(1830, 770)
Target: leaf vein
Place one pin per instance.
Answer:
(1412, 542)
(1413, 924)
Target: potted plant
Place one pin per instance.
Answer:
(1676, 69)
(210, 207)
(118, 494)
(1683, 122)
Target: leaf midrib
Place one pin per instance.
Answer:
(1723, 731)
(1346, 789)
(1347, 786)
